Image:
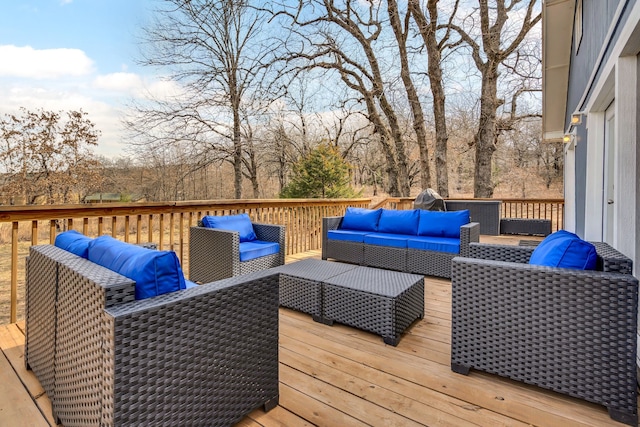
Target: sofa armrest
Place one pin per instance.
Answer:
(329, 223)
(496, 252)
(177, 356)
(214, 254)
(572, 331)
(272, 233)
(468, 233)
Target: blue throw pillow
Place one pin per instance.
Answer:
(442, 224)
(361, 219)
(155, 272)
(399, 222)
(566, 250)
(240, 223)
(74, 242)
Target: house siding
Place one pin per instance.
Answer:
(598, 17)
(599, 20)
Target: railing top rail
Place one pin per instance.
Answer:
(43, 212)
(504, 200)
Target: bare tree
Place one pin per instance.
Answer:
(429, 26)
(496, 42)
(342, 38)
(214, 49)
(46, 154)
(401, 31)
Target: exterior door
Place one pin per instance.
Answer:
(608, 199)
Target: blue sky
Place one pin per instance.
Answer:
(72, 54)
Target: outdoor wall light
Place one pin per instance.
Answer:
(567, 138)
(576, 118)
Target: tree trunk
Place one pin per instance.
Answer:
(427, 30)
(237, 145)
(439, 114)
(412, 94)
(485, 138)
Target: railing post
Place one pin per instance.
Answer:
(14, 272)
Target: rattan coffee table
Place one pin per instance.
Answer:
(380, 301)
(301, 284)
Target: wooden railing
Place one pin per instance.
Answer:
(552, 209)
(166, 224)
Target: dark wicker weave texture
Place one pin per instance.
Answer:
(509, 253)
(202, 356)
(528, 226)
(566, 330)
(40, 312)
(380, 301)
(214, 254)
(429, 263)
(484, 212)
(301, 284)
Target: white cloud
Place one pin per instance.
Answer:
(119, 82)
(105, 116)
(27, 62)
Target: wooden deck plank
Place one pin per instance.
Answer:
(338, 375)
(278, 417)
(529, 405)
(16, 405)
(396, 394)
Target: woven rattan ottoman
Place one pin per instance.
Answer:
(380, 301)
(301, 284)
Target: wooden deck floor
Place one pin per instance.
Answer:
(340, 376)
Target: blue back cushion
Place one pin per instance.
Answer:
(155, 272)
(240, 223)
(399, 222)
(74, 242)
(442, 224)
(566, 250)
(361, 219)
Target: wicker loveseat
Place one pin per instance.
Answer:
(568, 330)
(206, 355)
(215, 253)
(413, 241)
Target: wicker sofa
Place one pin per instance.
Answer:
(402, 256)
(207, 355)
(214, 253)
(572, 331)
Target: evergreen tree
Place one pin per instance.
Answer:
(322, 173)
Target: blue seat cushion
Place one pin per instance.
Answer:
(240, 223)
(361, 219)
(347, 235)
(566, 250)
(399, 222)
(386, 239)
(438, 244)
(256, 249)
(74, 242)
(442, 224)
(155, 272)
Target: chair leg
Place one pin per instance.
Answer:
(460, 369)
(623, 417)
(271, 403)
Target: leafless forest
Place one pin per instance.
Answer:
(425, 93)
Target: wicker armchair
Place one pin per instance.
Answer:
(214, 253)
(571, 331)
(207, 355)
